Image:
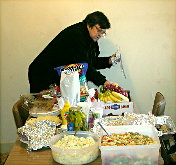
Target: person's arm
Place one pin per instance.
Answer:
(100, 62)
(95, 76)
(105, 62)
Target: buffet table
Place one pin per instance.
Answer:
(20, 156)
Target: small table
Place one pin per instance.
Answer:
(20, 156)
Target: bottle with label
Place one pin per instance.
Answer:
(64, 112)
(83, 89)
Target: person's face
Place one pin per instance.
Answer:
(96, 32)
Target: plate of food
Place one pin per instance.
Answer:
(165, 125)
(41, 105)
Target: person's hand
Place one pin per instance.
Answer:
(114, 59)
(111, 58)
(107, 82)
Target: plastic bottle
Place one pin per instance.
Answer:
(64, 112)
(83, 88)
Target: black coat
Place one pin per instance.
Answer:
(72, 45)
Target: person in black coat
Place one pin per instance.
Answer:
(75, 44)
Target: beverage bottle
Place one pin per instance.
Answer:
(64, 112)
(83, 88)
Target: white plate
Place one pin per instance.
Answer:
(55, 112)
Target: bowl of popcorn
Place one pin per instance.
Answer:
(68, 148)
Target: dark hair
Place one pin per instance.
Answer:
(97, 17)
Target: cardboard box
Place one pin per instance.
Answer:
(119, 108)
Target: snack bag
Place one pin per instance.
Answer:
(80, 67)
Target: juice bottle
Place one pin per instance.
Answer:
(64, 112)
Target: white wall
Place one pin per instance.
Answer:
(144, 29)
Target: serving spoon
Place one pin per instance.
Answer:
(103, 128)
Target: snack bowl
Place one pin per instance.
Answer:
(75, 156)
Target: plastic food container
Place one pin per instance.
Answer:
(75, 156)
(134, 154)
